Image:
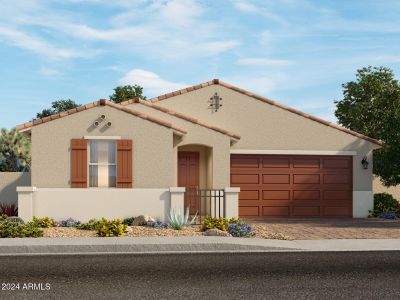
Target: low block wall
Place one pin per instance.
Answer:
(8, 185)
(84, 204)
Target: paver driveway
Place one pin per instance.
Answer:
(315, 229)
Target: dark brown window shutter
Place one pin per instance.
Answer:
(79, 163)
(124, 164)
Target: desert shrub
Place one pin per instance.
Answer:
(112, 228)
(3, 217)
(157, 224)
(68, 223)
(388, 215)
(384, 202)
(90, 225)
(44, 222)
(128, 221)
(8, 209)
(19, 230)
(14, 219)
(177, 220)
(215, 223)
(240, 229)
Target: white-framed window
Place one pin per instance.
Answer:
(102, 163)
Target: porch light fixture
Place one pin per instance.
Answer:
(365, 163)
(215, 102)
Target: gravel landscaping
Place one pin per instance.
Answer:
(260, 231)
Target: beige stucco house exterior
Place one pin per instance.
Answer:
(268, 160)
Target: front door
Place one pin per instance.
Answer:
(188, 177)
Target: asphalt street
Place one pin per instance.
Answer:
(284, 275)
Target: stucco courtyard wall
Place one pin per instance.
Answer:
(85, 204)
(8, 185)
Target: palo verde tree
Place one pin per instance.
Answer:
(126, 92)
(57, 106)
(371, 106)
(15, 151)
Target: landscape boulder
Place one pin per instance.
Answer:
(216, 232)
(142, 220)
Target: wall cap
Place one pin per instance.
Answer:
(26, 189)
(232, 189)
(177, 189)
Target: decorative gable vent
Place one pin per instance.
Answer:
(215, 102)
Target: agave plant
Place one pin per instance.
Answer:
(177, 220)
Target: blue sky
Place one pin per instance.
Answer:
(296, 52)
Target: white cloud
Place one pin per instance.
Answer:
(180, 12)
(261, 84)
(45, 71)
(245, 6)
(152, 83)
(263, 62)
(35, 44)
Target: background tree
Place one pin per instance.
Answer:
(57, 106)
(126, 92)
(15, 151)
(371, 106)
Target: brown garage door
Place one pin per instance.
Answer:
(293, 186)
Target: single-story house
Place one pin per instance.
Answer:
(203, 143)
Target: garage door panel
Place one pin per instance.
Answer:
(293, 186)
(335, 163)
(306, 195)
(337, 195)
(276, 211)
(276, 163)
(337, 211)
(306, 211)
(249, 211)
(245, 162)
(276, 178)
(249, 194)
(306, 163)
(245, 179)
(306, 179)
(336, 178)
(276, 194)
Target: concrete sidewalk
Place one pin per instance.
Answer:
(160, 245)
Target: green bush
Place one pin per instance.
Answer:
(3, 217)
(90, 225)
(384, 202)
(217, 223)
(128, 221)
(14, 219)
(45, 222)
(112, 228)
(19, 230)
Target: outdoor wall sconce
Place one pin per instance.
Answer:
(215, 102)
(365, 163)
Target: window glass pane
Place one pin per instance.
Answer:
(112, 176)
(93, 178)
(111, 152)
(102, 169)
(93, 152)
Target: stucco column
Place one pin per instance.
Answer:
(177, 198)
(25, 202)
(232, 202)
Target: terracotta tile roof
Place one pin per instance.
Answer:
(101, 102)
(266, 100)
(181, 116)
